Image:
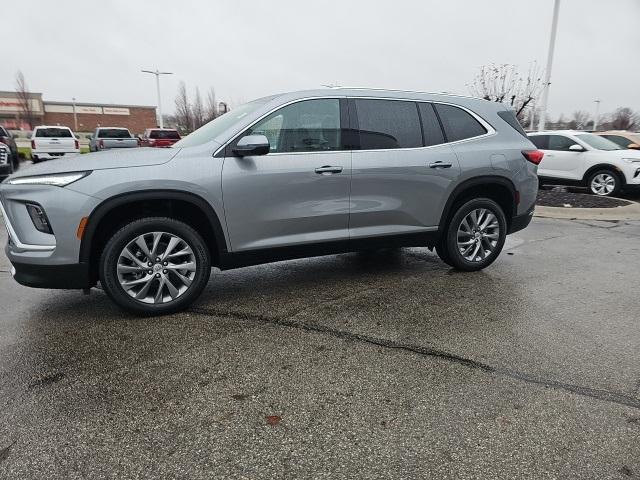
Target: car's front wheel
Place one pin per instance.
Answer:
(604, 183)
(474, 236)
(155, 266)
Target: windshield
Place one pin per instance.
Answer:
(597, 142)
(215, 127)
(113, 133)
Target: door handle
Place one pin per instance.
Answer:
(440, 164)
(328, 170)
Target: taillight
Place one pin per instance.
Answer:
(77, 144)
(101, 144)
(534, 156)
(33, 144)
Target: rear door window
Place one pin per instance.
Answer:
(388, 124)
(433, 134)
(458, 124)
(540, 141)
(52, 132)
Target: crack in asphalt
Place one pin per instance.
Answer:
(595, 393)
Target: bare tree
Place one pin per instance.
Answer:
(24, 99)
(212, 105)
(580, 120)
(197, 110)
(504, 83)
(183, 109)
(624, 119)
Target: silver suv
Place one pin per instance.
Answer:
(288, 176)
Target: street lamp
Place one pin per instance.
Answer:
(157, 73)
(75, 116)
(595, 119)
(547, 74)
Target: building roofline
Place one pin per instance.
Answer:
(86, 104)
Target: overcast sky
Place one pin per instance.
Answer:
(247, 49)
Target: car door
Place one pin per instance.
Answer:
(399, 179)
(559, 161)
(298, 193)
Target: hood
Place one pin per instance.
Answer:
(129, 157)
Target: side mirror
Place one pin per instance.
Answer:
(576, 148)
(633, 146)
(252, 145)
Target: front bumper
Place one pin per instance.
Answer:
(5, 169)
(74, 276)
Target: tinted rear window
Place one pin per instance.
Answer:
(388, 124)
(458, 124)
(509, 116)
(165, 134)
(430, 125)
(113, 133)
(540, 141)
(54, 133)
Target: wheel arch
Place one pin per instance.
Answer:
(119, 209)
(499, 189)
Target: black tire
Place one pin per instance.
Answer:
(607, 192)
(111, 254)
(448, 249)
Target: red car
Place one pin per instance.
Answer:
(159, 137)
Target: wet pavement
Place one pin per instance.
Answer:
(368, 365)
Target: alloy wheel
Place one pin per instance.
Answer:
(478, 235)
(603, 184)
(156, 267)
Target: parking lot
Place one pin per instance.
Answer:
(367, 365)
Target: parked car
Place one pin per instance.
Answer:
(159, 137)
(6, 165)
(302, 174)
(104, 138)
(586, 160)
(622, 138)
(9, 141)
(49, 142)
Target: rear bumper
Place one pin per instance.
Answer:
(520, 222)
(75, 276)
(42, 155)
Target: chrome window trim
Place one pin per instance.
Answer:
(16, 241)
(487, 126)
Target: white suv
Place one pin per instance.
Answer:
(584, 159)
(53, 142)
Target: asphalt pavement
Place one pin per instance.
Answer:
(367, 365)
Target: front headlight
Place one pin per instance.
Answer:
(632, 160)
(55, 179)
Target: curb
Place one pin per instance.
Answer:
(628, 212)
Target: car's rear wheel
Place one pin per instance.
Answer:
(604, 183)
(474, 236)
(155, 266)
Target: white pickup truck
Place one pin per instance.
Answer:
(49, 142)
(105, 138)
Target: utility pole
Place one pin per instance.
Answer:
(547, 75)
(595, 119)
(532, 119)
(157, 73)
(75, 117)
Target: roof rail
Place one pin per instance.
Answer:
(344, 87)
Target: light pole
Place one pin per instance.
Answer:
(595, 119)
(547, 74)
(75, 117)
(157, 73)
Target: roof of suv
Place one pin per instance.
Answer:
(558, 132)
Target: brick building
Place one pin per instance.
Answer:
(88, 116)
